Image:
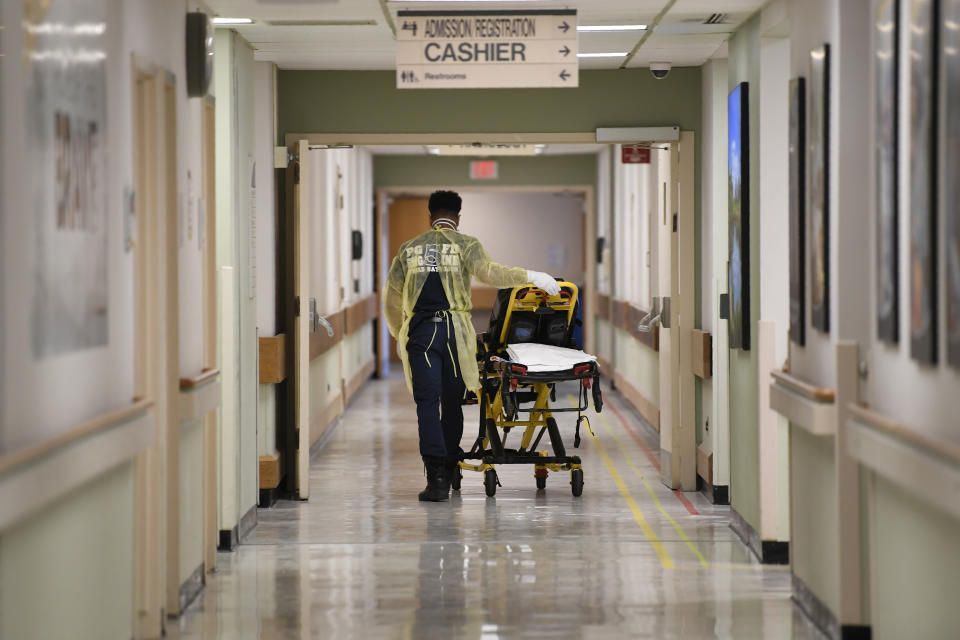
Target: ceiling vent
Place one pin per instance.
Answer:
(322, 23)
(716, 18)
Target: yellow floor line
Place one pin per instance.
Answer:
(665, 558)
(656, 500)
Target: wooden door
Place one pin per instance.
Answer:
(407, 218)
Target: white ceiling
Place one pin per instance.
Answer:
(357, 36)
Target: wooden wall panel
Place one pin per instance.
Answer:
(270, 470)
(603, 306)
(320, 342)
(702, 354)
(360, 313)
(273, 358)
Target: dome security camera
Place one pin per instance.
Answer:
(660, 70)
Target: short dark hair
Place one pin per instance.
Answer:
(445, 202)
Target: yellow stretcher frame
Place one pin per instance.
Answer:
(496, 373)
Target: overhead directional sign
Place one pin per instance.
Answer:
(486, 49)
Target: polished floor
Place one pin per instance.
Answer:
(363, 559)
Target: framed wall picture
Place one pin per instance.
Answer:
(818, 185)
(886, 96)
(738, 189)
(923, 181)
(951, 169)
(798, 232)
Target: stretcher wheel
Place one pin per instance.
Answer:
(456, 478)
(541, 483)
(576, 482)
(490, 482)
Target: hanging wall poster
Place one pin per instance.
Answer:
(886, 96)
(819, 187)
(65, 68)
(798, 231)
(738, 189)
(951, 169)
(923, 155)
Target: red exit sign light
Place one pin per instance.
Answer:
(483, 170)
(634, 154)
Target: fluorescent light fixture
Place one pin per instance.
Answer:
(225, 21)
(612, 27)
(453, 1)
(612, 54)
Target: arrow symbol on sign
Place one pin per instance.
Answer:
(564, 75)
(564, 26)
(410, 26)
(565, 51)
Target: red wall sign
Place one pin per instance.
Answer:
(483, 170)
(632, 154)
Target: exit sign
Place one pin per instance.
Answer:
(483, 170)
(632, 154)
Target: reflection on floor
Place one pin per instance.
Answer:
(364, 559)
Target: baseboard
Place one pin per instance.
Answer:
(322, 441)
(646, 407)
(229, 539)
(247, 523)
(356, 382)
(192, 587)
(321, 420)
(268, 498)
(766, 551)
(823, 618)
(716, 494)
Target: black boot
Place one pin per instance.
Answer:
(438, 483)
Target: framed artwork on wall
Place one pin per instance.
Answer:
(951, 169)
(886, 97)
(738, 189)
(818, 185)
(923, 181)
(797, 144)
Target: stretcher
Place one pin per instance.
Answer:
(528, 349)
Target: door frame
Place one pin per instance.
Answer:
(156, 347)
(384, 195)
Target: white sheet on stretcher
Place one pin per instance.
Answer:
(544, 357)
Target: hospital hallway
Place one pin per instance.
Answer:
(250, 249)
(363, 559)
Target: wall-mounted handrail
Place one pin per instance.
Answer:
(803, 404)
(196, 381)
(939, 448)
(795, 384)
(31, 453)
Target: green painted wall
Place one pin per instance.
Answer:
(744, 66)
(430, 171)
(916, 568)
(369, 102)
(67, 572)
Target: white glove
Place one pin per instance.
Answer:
(543, 281)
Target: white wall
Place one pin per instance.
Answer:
(49, 558)
(236, 123)
(534, 230)
(714, 278)
(264, 140)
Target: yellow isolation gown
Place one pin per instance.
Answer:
(456, 257)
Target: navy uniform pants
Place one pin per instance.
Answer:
(438, 388)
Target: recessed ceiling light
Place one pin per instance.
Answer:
(612, 54)
(224, 21)
(612, 27)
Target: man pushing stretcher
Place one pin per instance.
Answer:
(427, 305)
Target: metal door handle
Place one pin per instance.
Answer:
(649, 321)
